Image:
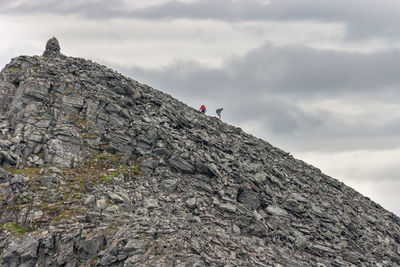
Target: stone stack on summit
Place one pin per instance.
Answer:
(52, 48)
(97, 169)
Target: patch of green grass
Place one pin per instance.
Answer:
(107, 158)
(33, 171)
(77, 196)
(110, 230)
(84, 181)
(15, 228)
(64, 214)
(81, 122)
(114, 173)
(135, 169)
(41, 155)
(106, 179)
(66, 196)
(76, 119)
(90, 135)
(13, 70)
(16, 171)
(124, 170)
(70, 91)
(92, 262)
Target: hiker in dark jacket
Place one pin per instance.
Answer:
(219, 112)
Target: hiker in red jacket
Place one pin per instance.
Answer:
(203, 109)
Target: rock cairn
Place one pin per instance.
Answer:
(52, 48)
(97, 169)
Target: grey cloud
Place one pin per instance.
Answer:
(96, 9)
(388, 173)
(278, 115)
(363, 18)
(300, 69)
(291, 70)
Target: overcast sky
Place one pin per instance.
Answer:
(319, 79)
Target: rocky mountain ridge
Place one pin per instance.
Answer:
(100, 170)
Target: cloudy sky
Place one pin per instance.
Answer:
(319, 79)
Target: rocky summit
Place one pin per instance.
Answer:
(97, 169)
